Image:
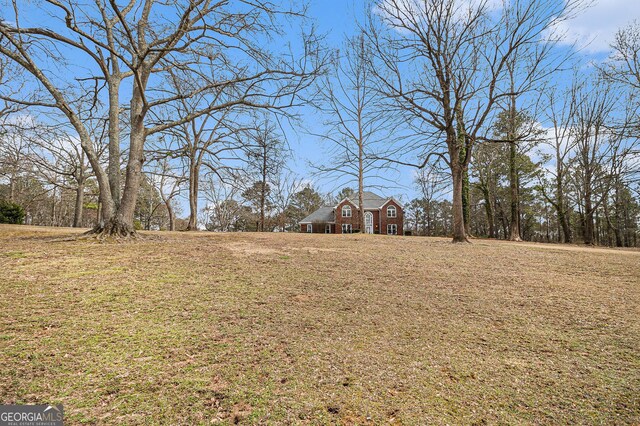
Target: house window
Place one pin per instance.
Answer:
(346, 211)
(346, 228)
(327, 229)
(392, 229)
(391, 211)
(309, 228)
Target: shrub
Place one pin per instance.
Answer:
(11, 212)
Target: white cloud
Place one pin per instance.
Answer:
(593, 30)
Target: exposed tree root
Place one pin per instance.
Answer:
(464, 240)
(105, 237)
(112, 231)
(116, 232)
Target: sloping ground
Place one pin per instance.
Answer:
(318, 329)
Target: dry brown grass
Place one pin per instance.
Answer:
(318, 329)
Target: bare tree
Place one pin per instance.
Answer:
(445, 63)
(168, 179)
(285, 188)
(624, 67)
(141, 42)
(266, 154)
(561, 108)
(37, 177)
(9, 73)
(596, 144)
(432, 183)
(488, 163)
(520, 131)
(14, 152)
(223, 210)
(206, 141)
(356, 120)
(62, 163)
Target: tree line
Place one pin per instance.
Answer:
(112, 112)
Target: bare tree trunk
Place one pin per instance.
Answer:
(360, 184)
(194, 186)
(459, 231)
(79, 206)
(588, 222)
(53, 207)
(261, 223)
(466, 202)
(263, 187)
(12, 188)
(563, 219)
(121, 223)
(361, 141)
(504, 224)
(461, 140)
(426, 224)
(514, 226)
(546, 218)
(617, 204)
(113, 168)
(564, 226)
(588, 209)
(597, 228)
(489, 211)
(172, 218)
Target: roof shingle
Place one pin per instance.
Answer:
(323, 214)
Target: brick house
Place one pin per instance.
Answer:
(381, 216)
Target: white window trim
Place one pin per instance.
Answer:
(327, 229)
(394, 209)
(346, 208)
(391, 226)
(348, 226)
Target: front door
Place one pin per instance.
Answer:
(368, 223)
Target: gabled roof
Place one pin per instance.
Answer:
(394, 200)
(323, 214)
(370, 200)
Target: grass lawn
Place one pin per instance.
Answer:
(318, 329)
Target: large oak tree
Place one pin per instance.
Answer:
(122, 53)
(445, 63)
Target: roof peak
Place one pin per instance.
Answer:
(369, 194)
(371, 200)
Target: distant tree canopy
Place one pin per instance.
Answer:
(304, 202)
(345, 193)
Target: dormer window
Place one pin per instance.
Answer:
(391, 211)
(346, 211)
